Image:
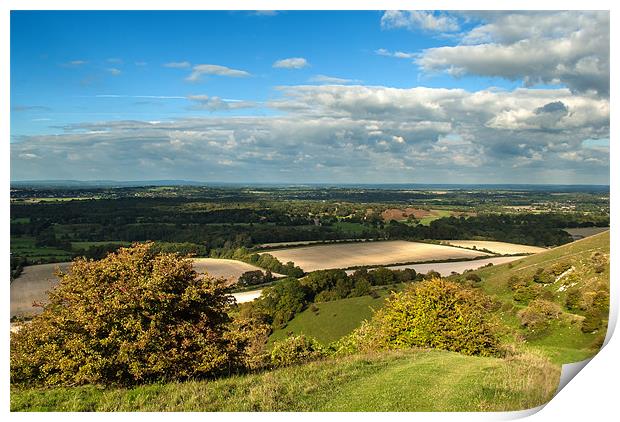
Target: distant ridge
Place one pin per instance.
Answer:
(390, 186)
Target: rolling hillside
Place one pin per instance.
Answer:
(563, 342)
(395, 381)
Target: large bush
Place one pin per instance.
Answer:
(296, 349)
(538, 316)
(134, 316)
(431, 314)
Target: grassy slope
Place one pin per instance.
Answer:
(333, 320)
(396, 381)
(414, 380)
(565, 342)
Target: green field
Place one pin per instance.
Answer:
(437, 214)
(350, 228)
(25, 246)
(333, 320)
(79, 246)
(396, 381)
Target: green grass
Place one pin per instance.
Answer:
(333, 320)
(348, 227)
(437, 214)
(25, 246)
(564, 342)
(80, 246)
(395, 381)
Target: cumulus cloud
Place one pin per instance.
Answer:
(214, 69)
(291, 63)
(419, 19)
(570, 48)
(345, 133)
(177, 65)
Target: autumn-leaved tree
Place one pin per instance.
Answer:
(135, 316)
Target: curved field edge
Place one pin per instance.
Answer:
(419, 380)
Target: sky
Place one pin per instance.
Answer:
(311, 96)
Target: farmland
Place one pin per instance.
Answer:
(311, 258)
(35, 280)
(501, 248)
(228, 269)
(447, 268)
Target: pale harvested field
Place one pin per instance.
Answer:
(243, 297)
(229, 269)
(581, 232)
(32, 286)
(322, 257)
(501, 248)
(36, 280)
(446, 268)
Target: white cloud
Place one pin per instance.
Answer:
(419, 19)
(324, 79)
(177, 65)
(397, 54)
(351, 133)
(205, 102)
(291, 63)
(570, 48)
(113, 71)
(213, 69)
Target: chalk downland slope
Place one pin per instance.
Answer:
(416, 380)
(312, 258)
(501, 248)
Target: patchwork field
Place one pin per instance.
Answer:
(501, 248)
(348, 255)
(36, 280)
(447, 268)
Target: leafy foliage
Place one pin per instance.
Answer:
(432, 314)
(135, 316)
(296, 349)
(538, 316)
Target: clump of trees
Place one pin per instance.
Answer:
(254, 278)
(263, 260)
(135, 316)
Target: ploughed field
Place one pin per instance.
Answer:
(36, 280)
(311, 258)
(502, 248)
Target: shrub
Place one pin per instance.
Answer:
(434, 314)
(559, 268)
(543, 277)
(135, 316)
(537, 317)
(473, 277)
(296, 349)
(573, 299)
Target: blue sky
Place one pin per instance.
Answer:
(310, 96)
